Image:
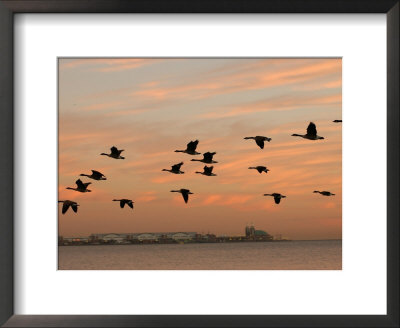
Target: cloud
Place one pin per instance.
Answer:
(106, 64)
(150, 84)
(333, 84)
(226, 199)
(329, 205)
(211, 199)
(280, 103)
(146, 196)
(101, 106)
(305, 72)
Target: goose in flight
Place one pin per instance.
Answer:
(259, 168)
(277, 197)
(124, 201)
(190, 148)
(324, 193)
(176, 169)
(115, 153)
(96, 175)
(337, 121)
(207, 171)
(311, 133)
(207, 158)
(80, 186)
(185, 193)
(259, 140)
(67, 204)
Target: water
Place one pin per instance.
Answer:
(293, 255)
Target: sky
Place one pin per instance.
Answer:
(152, 107)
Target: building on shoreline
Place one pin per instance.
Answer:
(146, 237)
(251, 234)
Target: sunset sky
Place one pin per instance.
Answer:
(151, 107)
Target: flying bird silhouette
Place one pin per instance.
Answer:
(277, 197)
(80, 186)
(324, 193)
(176, 169)
(207, 171)
(311, 133)
(207, 158)
(185, 193)
(124, 201)
(96, 175)
(337, 121)
(259, 168)
(115, 153)
(67, 204)
(190, 148)
(259, 140)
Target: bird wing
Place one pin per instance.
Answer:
(75, 207)
(277, 199)
(65, 207)
(80, 184)
(97, 173)
(176, 167)
(114, 150)
(208, 156)
(208, 169)
(260, 143)
(312, 129)
(185, 195)
(122, 203)
(86, 184)
(191, 146)
(260, 169)
(130, 204)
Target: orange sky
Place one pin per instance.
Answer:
(150, 107)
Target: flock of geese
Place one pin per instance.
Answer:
(311, 134)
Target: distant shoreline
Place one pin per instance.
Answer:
(189, 242)
(169, 242)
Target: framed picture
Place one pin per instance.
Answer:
(161, 169)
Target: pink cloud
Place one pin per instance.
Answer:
(329, 205)
(333, 84)
(150, 84)
(275, 104)
(247, 80)
(107, 64)
(101, 106)
(146, 196)
(211, 199)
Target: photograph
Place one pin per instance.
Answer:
(202, 163)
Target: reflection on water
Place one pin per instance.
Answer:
(293, 255)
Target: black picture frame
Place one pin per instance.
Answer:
(7, 200)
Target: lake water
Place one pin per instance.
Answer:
(292, 255)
